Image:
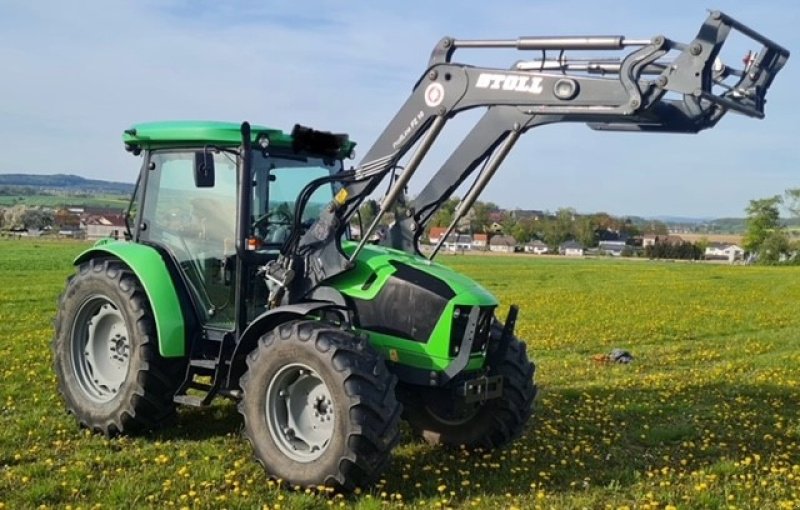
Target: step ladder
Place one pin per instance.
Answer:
(210, 357)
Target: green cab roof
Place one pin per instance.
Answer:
(157, 135)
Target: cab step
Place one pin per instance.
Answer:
(190, 400)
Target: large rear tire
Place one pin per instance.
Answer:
(436, 416)
(319, 406)
(105, 354)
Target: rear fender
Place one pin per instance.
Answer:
(151, 270)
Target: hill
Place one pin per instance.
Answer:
(64, 183)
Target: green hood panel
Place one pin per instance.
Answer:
(148, 266)
(374, 266)
(377, 260)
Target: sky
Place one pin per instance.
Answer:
(76, 74)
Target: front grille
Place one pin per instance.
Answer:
(460, 320)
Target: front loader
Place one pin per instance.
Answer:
(240, 278)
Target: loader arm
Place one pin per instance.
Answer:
(620, 94)
(499, 123)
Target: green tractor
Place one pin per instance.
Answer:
(240, 278)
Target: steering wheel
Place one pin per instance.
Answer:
(282, 217)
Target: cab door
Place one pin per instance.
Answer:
(196, 226)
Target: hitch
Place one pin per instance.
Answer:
(482, 389)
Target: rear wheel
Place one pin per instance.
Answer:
(439, 417)
(319, 406)
(106, 359)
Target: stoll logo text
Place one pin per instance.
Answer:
(517, 83)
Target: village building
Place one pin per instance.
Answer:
(480, 241)
(435, 234)
(458, 242)
(503, 244)
(101, 227)
(536, 247)
(614, 248)
(571, 249)
(724, 251)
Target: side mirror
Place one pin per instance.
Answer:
(204, 169)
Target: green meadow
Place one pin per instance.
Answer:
(706, 416)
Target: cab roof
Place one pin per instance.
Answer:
(158, 135)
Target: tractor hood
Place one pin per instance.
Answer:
(375, 264)
(415, 311)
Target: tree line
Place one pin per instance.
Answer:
(766, 237)
(551, 228)
(23, 217)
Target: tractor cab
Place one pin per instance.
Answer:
(189, 192)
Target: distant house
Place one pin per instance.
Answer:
(436, 233)
(652, 239)
(480, 241)
(503, 244)
(724, 251)
(571, 249)
(614, 248)
(458, 242)
(536, 247)
(100, 227)
(65, 219)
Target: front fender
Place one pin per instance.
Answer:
(263, 323)
(148, 266)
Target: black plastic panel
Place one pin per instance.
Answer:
(408, 306)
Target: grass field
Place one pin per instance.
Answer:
(705, 417)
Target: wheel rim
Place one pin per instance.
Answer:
(299, 412)
(100, 349)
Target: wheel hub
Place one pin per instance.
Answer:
(300, 412)
(100, 349)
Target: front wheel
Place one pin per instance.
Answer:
(439, 418)
(106, 358)
(319, 406)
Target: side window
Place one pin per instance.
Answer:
(175, 208)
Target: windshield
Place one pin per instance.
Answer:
(278, 180)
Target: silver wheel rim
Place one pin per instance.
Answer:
(299, 412)
(100, 349)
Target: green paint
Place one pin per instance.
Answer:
(434, 354)
(149, 268)
(158, 135)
